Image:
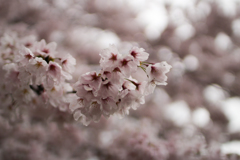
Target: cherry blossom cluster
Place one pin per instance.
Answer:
(114, 90)
(32, 73)
(35, 74)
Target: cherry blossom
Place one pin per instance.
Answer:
(68, 63)
(92, 79)
(113, 90)
(24, 56)
(110, 58)
(127, 66)
(157, 71)
(44, 49)
(42, 109)
(38, 73)
(138, 55)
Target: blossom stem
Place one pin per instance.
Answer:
(39, 89)
(69, 92)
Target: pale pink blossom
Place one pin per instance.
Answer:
(54, 71)
(84, 92)
(24, 94)
(140, 87)
(116, 77)
(127, 66)
(44, 49)
(108, 90)
(9, 40)
(93, 111)
(157, 72)
(11, 81)
(57, 96)
(108, 106)
(92, 79)
(138, 55)
(110, 57)
(76, 102)
(28, 41)
(150, 87)
(24, 76)
(78, 116)
(24, 56)
(68, 63)
(134, 96)
(66, 75)
(53, 75)
(38, 68)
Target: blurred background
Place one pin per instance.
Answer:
(196, 116)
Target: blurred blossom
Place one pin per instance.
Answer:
(200, 11)
(214, 94)
(228, 78)
(236, 26)
(191, 63)
(228, 7)
(154, 20)
(178, 69)
(201, 117)
(161, 97)
(165, 53)
(83, 37)
(178, 112)
(231, 109)
(194, 117)
(222, 41)
(231, 147)
(185, 31)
